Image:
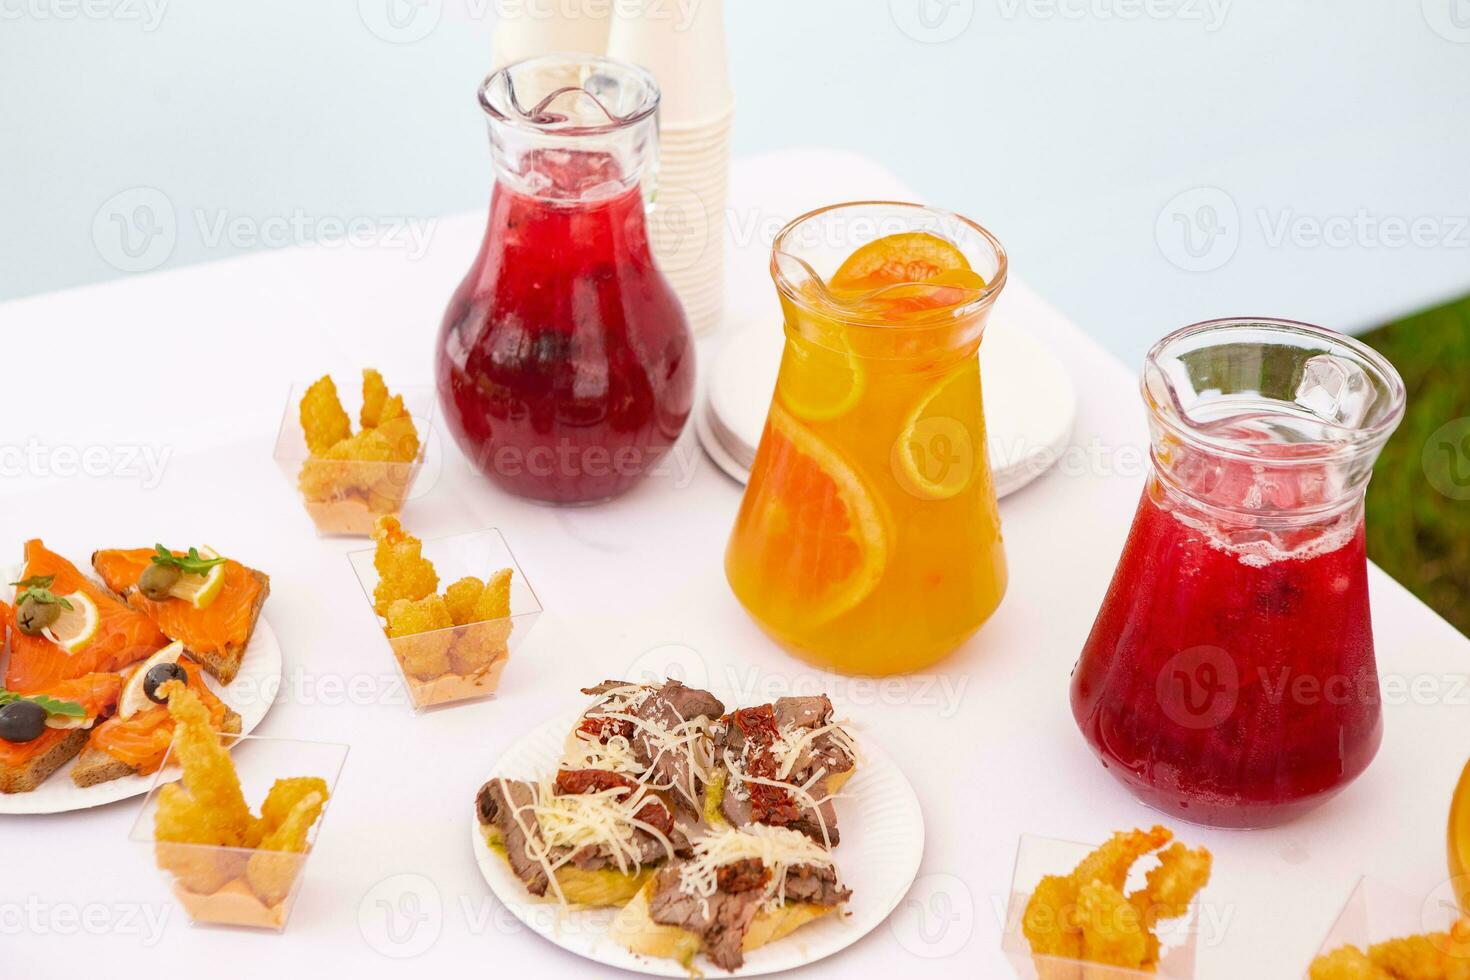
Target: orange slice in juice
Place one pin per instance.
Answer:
(825, 543)
(935, 455)
(913, 256)
(1459, 841)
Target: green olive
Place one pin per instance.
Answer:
(32, 616)
(157, 580)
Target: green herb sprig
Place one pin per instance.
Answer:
(190, 564)
(37, 589)
(52, 706)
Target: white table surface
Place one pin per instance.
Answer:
(627, 586)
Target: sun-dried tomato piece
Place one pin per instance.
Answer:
(744, 875)
(772, 805)
(576, 782)
(758, 724)
(604, 729)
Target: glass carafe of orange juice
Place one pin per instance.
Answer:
(868, 541)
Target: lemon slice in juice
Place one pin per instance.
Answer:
(818, 384)
(75, 628)
(934, 457)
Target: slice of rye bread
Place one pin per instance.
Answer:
(96, 766)
(23, 779)
(223, 664)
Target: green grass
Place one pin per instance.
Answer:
(1419, 500)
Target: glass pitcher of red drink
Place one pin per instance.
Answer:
(1229, 678)
(565, 364)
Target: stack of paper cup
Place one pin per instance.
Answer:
(529, 30)
(684, 47)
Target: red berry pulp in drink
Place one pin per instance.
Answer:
(565, 363)
(1231, 685)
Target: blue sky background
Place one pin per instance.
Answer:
(1148, 163)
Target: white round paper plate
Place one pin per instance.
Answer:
(1029, 402)
(882, 845)
(250, 694)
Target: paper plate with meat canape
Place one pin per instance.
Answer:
(660, 830)
(81, 720)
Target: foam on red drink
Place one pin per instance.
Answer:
(1231, 682)
(565, 363)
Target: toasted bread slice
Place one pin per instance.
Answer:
(23, 779)
(634, 928)
(96, 766)
(598, 888)
(220, 659)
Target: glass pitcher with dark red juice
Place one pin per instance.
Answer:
(1229, 678)
(565, 364)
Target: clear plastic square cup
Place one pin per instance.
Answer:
(240, 887)
(1376, 913)
(346, 497)
(1037, 857)
(463, 663)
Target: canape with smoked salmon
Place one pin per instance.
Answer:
(136, 738)
(199, 598)
(67, 626)
(42, 731)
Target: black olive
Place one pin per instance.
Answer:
(32, 616)
(159, 675)
(22, 721)
(156, 580)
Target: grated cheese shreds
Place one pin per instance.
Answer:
(778, 849)
(689, 738)
(803, 793)
(790, 743)
(569, 823)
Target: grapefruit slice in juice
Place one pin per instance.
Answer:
(906, 274)
(824, 544)
(912, 256)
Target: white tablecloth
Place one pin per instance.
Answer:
(192, 367)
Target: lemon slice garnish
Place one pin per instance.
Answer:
(817, 384)
(200, 590)
(937, 454)
(134, 699)
(76, 627)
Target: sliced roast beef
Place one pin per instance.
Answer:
(722, 920)
(753, 737)
(818, 886)
(825, 751)
(802, 712)
(668, 707)
(737, 807)
(609, 685)
(496, 805)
